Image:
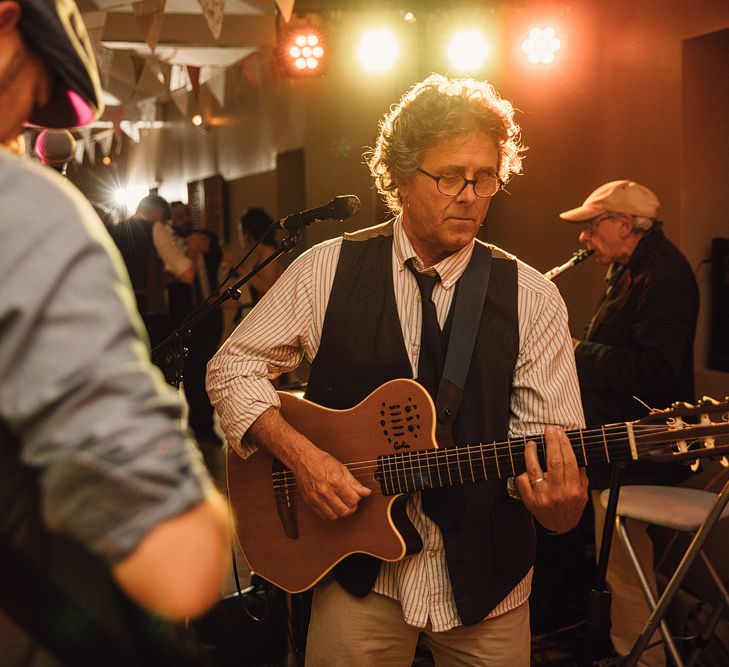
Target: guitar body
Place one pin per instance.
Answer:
(283, 540)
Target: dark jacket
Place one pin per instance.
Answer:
(640, 344)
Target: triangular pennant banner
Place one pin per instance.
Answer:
(79, 154)
(216, 86)
(194, 74)
(131, 130)
(147, 110)
(104, 60)
(181, 98)
(115, 115)
(214, 11)
(91, 151)
(149, 15)
(105, 141)
(250, 69)
(179, 78)
(286, 7)
(95, 22)
(138, 63)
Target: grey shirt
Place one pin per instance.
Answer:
(79, 399)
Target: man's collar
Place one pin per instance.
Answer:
(450, 269)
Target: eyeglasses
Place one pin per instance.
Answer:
(483, 186)
(591, 225)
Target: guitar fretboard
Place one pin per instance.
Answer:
(402, 472)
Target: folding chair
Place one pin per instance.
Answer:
(689, 510)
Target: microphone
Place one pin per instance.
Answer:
(55, 148)
(577, 257)
(339, 208)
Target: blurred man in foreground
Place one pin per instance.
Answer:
(105, 509)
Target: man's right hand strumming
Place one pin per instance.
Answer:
(326, 484)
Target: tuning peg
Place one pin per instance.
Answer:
(708, 400)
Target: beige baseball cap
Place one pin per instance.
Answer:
(616, 197)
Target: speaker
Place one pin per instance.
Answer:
(719, 331)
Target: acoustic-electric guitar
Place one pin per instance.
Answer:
(388, 443)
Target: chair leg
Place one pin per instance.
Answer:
(647, 592)
(678, 576)
(704, 636)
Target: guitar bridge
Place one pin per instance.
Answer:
(284, 489)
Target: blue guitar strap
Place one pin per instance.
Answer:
(468, 309)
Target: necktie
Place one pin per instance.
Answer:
(442, 504)
(432, 354)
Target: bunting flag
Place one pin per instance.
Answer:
(138, 62)
(286, 7)
(214, 11)
(149, 15)
(131, 130)
(147, 110)
(79, 154)
(95, 22)
(179, 78)
(104, 60)
(88, 143)
(216, 85)
(194, 74)
(181, 98)
(115, 115)
(163, 72)
(105, 141)
(250, 69)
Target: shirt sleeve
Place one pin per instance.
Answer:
(77, 389)
(170, 250)
(545, 387)
(272, 339)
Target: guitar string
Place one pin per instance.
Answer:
(491, 450)
(446, 459)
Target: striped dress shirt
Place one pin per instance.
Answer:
(286, 326)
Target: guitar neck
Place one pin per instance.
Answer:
(433, 468)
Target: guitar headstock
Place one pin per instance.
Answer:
(693, 432)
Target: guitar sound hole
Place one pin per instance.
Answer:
(400, 422)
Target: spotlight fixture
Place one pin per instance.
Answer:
(408, 16)
(197, 120)
(468, 50)
(302, 50)
(378, 50)
(541, 45)
(106, 160)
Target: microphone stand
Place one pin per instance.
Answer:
(598, 616)
(174, 344)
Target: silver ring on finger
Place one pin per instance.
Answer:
(536, 481)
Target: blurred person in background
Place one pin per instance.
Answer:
(637, 352)
(203, 246)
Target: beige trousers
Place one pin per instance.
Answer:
(629, 610)
(347, 631)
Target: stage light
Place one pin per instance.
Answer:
(468, 50)
(106, 160)
(541, 45)
(197, 120)
(301, 50)
(127, 198)
(408, 16)
(378, 50)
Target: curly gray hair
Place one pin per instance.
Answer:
(440, 108)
